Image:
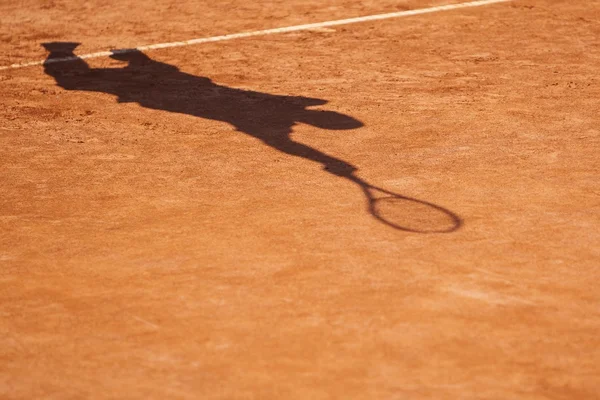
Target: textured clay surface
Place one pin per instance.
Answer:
(194, 222)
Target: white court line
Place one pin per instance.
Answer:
(295, 28)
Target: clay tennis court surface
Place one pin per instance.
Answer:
(164, 235)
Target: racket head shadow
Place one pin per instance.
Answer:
(412, 215)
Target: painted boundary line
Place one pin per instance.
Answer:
(273, 31)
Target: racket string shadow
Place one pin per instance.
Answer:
(267, 117)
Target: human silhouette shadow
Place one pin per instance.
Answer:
(267, 117)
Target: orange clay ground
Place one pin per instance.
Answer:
(185, 226)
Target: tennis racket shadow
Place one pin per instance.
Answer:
(406, 213)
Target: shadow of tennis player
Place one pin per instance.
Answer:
(267, 117)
